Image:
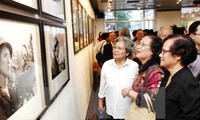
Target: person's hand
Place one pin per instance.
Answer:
(124, 92)
(101, 106)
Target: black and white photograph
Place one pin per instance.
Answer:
(56, 55)
(53, 8)
(21, 83)
(26, 5)
(30, 3)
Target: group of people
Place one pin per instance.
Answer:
(166, 65)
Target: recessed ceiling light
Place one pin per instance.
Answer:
(158, 5)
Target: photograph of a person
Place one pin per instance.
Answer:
(17, 79)
(7, 107)
(58, 58)
(19, 65)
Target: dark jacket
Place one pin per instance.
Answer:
(182, 96)
(107, 52)
(6, 104)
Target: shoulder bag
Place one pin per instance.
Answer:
(141, 113)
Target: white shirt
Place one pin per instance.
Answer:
(113, 80)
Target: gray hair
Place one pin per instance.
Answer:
(124, 32)
(128, 43)
(160, 31)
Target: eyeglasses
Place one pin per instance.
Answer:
(165, 51)
(119, 48)
(143, 44)
(197, 33)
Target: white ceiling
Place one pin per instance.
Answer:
(117, 5)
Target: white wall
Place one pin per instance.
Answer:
(72, 102)
(168, 18)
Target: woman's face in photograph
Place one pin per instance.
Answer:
(5, 61)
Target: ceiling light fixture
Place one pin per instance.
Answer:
(178, 1)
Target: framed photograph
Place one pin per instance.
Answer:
(55, 36)
(81, 30)
(87, 29)
(22, 87)
(27, 5)
(54, 9)
(91, 29)
(84, 27)
(75, 25)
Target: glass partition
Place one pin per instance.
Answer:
(132, 19)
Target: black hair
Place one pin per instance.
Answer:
(134, 32)
(184, 47)
(156, 47)
(193, 27)
(57, 43)
(104, 36)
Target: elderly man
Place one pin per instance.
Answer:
(194, 33)
(164, 32)
(107, 51)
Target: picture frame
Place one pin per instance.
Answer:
(75, 25)
(84, 27)
(53, 9)
(25, 74)
(91, 29)
(26, 5)
(81, 29)
(56, 52)
(87, 29)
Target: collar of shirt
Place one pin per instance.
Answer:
(127, 62)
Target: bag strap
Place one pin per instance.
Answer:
(149, 102)
(102, 46)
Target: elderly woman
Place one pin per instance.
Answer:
(150, 73)
(116, 74)
(181, 87)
